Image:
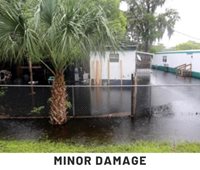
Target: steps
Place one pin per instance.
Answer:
(184, 70)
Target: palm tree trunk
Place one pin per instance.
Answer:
(58, 110)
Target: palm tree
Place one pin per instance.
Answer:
(15, 35)
(58, 30)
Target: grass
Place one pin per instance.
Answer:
(61, 147)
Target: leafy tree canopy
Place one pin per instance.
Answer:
(117, 18)
(157, 48)
(61, 30)
(189, 45)
(145, 25)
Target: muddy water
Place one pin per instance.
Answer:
(114, 130)
(175, 114)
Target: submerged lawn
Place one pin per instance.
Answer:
(140, 146)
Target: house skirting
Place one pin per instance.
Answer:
(173, 70)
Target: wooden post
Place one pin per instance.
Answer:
(92, 73)
(100, 72)
(121, 72)
(73, 102)
(31, 76)
(133, 95)
(108, 72)
(97, 72)
(150, 107)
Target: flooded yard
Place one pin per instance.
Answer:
(104, 130)
(164, 112)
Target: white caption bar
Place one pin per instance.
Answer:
(129, 161)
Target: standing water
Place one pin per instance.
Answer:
(174, 110)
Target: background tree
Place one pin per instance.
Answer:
(145, 25)
(157, 48)
(59, 31)
(189, 45)
(116, 18)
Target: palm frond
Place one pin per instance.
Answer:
(12, 30)
(60, 30)
(76, 26)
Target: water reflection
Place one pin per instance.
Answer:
(174, 110)
(114, 130)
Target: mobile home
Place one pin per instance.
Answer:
(170, 61)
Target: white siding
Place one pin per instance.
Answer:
(173, 60)
(176, 59)
(127, 59)
(128, 64)
(196, 62)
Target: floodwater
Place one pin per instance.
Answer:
(104, 130)
(174, 110)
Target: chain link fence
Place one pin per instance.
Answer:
(94, 101)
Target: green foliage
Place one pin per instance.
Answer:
(116, 18)
(58, 31)
(16, 38)
(190, 45)
(68, 104)
(3, 91)
(157, 48)
(145, 25)
(61, 31)
(63, 147)
(37, 110)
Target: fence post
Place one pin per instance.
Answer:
(133, 95)
(150, 106)
(31, 76)
(73, 101)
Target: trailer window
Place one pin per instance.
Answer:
(165, 59)
(114, 57)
